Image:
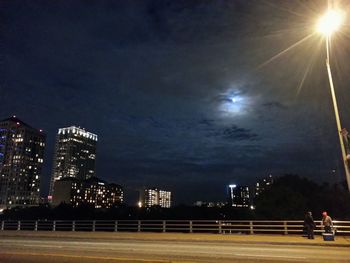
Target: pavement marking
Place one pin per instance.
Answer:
(269, 256)
(90, 257)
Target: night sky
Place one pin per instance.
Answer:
(185, 95)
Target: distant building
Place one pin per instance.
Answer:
(209, 204)
(164, 199)
(21, 161)
(239, 196)
(75, 155)
(93, 192)
(263, 185)
(155, 197)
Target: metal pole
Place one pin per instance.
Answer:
(116, 226)
(285, 227)
(336, 112)
(164, 226)
(138, 226)
(251, 227)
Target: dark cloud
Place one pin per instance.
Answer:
(274, 105)
(236, 133)
(233, 133)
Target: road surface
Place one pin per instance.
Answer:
(27, 249)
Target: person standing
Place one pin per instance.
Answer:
(327, 222)
(309, 225)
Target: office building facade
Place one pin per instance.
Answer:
(21, 161)
(75, 155)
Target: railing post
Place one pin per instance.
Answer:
(164, 226)
(18, 225)
(36, 225)
(116, 226)
(54, 225)
(285, 227)
(191, 227)
(93, 226)
(73, 226)
(2, 225)
(220, 227)
(139, 226)
(251, 227)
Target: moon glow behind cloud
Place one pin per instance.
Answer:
(233, 103)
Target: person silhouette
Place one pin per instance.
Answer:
(309, 225)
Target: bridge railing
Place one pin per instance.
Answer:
(185, 226)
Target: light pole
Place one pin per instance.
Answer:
(327, 25)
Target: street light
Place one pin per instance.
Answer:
(329, 23)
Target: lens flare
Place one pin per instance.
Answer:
(330, 22)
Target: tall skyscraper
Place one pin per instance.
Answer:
(75, 155)
(155, 197)
(21, 160)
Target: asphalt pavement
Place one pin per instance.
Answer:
(28, 247)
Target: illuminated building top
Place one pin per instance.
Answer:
(78, 131)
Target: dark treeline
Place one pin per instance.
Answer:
(125, 213)
(289, 198)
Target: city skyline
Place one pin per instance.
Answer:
(75, 154)
(183, 95)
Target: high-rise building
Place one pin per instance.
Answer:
(164, 199)
(21, 161)
(75, 155)
(150, 197)
(239, 196)
(155, 197)
(93, 192)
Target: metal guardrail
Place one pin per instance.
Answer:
(185, 226)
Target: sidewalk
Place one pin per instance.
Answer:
(340, 241)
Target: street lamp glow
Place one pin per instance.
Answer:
(327, 25)
(330, 22)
